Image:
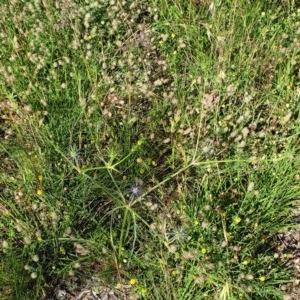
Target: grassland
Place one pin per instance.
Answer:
(149, 143)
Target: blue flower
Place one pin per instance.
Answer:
(135, 190)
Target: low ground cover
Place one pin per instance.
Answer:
(153, 145)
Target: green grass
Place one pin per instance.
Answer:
(195, 103)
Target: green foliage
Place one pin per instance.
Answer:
(150, 144)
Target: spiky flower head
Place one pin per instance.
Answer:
(135, 190)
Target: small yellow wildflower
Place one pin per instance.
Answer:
(139, 142)
(174, 273)
(40, 178)
(262, 278)
(173, 35)
(245, 262)
(139, 160)
(203, 250)
(154, 164)
(39, 192)
(237, 220)
(132, 281)
(263, 14)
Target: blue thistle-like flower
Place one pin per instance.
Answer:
(135, 190)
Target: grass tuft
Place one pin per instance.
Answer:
(153, 146)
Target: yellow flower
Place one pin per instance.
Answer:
(40, 178)
(245, 262)
(203, 250)
(237, 220)
(132, 281)
(139, 160)
(139, 142)
(39, 192)
(262, 278)
(173, 35)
